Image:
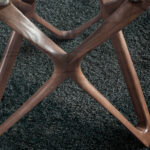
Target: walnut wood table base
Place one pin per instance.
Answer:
(116, 14)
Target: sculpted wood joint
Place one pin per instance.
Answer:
(117, 14)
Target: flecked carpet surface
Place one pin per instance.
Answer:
(69, 119)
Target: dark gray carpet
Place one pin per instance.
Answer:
(69, 119)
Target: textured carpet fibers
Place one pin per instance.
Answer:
(69, 118)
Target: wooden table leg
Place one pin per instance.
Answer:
(143, 135)
(27, 7)
(71, 34)
(68, 64)
(46, 89)
(131, 79)
(8, 59)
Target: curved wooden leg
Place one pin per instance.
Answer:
(67, 64)
(46, 89)
(80, 79)
(27, 7)
(8, 59)
(28, 30)
(114, 23)
(131, 79)
(71, 34)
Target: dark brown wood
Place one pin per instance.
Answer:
(117, 14)
(131, 79)
(9, 59)
(28, 8)
(66, 34)
(46, 89)
(121, 17)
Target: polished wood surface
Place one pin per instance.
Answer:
(28, 8)
(117, 14)
(8, 59)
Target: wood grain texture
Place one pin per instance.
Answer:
(117, 14)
